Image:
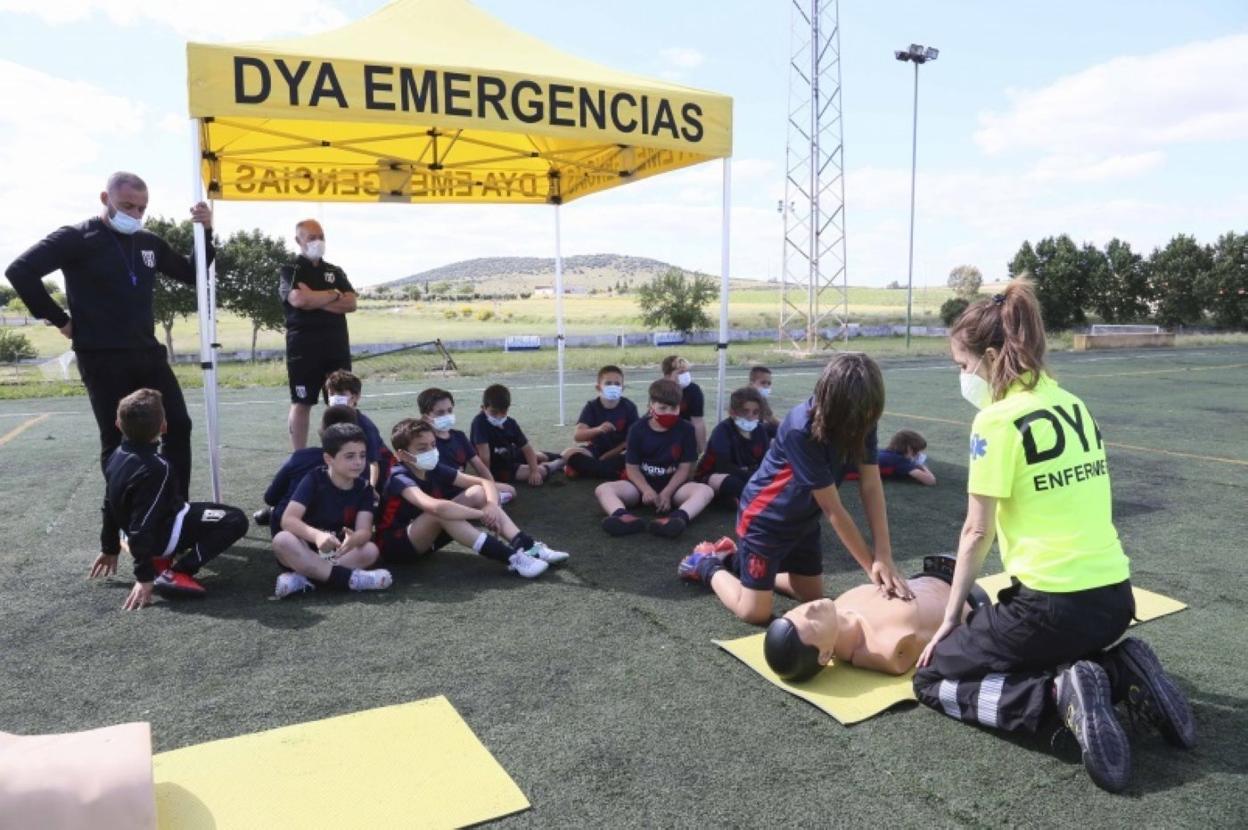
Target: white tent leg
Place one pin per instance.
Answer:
(722, 346)
(559, 310)
(207, 357)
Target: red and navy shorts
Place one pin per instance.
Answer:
(762, 554)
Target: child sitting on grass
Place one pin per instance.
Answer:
(658, 462)
(760, 379)
(300, 463)
(342, 388)
(502, 445)
(905, 459)
(736, 447)
(416, 518)
(602, 430)
(327, 527)
(692, 402)
(141, 498)
(455, 449)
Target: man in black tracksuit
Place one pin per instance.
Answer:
(141, 498)
(110, 266)
(316, 297)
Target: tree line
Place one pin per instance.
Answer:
(1184, 283)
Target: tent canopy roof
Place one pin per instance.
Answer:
(436, 101)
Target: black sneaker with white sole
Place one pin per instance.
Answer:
(1083, 701)
(1148, 692)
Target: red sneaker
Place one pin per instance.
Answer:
(162, 563)
(174, 583)
(568, 472)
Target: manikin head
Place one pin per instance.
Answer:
(803, 641)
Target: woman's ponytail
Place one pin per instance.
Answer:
(1010, 323)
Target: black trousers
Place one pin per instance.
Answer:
(997, 669)
(111, 375)
(207, 530)
(611, 469)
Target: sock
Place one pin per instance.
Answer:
(521, 541)
(494, 549)
(480, 542)
(620, 512)
(580, 463)
(339, 578)
(679, 514)
(707, 568)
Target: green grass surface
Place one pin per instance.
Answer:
(597, 687)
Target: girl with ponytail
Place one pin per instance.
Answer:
(1038, 484)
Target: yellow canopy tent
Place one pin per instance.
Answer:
(434, 101)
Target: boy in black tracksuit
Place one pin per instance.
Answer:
(142, 497)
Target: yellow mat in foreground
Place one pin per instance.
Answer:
(413, 765)
(851, 694)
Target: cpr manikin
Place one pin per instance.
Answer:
(864, 627)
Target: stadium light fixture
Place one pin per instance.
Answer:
(916, 54)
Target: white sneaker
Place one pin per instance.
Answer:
(290, 582)
(376, 580)
(547, 554)
(525, 565)
(505, 497)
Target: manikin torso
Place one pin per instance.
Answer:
(886, 634)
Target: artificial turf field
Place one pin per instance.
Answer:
(597, 686)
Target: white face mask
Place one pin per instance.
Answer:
(746, 424)
(315, 249)
(125, 223)
(920, 458)
(976, 390)
(426, 460)
(339, 400)
(444, 422)
(498, 422)
(612, 392)
(765, 391)
(684, 379)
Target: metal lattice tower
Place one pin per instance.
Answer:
(814, 291)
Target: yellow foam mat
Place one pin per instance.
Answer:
(412, 765)
(851, 694)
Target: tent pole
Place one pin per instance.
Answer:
(722, 346)
(207, 358)
(559, 309)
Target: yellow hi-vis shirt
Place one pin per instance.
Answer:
(1040, 454)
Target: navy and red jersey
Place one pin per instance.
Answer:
(692, 402)
(505, 442)
(892, 465)
(327, 506)
(300, 463)
(623, 415)
(779, 498)
(728, 451)
(455, 450)
(375, 449)
(398, 512)
(658, 454)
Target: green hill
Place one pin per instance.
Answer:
(514, 274)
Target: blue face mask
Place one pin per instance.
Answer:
(444, 422)
(920, 458)
(746, 424)
(124, 223)
(498, 422)
(612, 392)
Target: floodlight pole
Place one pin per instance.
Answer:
(916, 54)
(207, 314)
(914, 167)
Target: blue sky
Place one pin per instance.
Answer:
(1093, 118)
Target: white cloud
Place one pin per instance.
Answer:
(220, 19)
(55, 133)
(1189, 93)
(682, 57)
